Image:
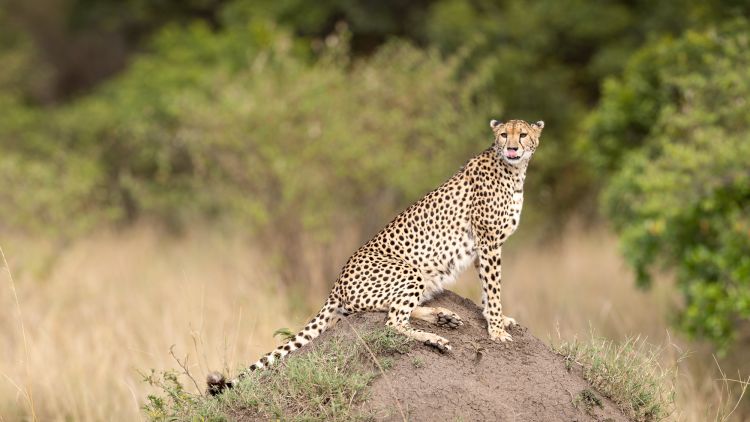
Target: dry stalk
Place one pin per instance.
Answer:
(27, 390)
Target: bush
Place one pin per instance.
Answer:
(631, 105)
(243, 124)
(682, 199)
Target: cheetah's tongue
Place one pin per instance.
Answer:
(510, 153)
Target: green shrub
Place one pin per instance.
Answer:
(243, 124)
(682, 199)
(632, 104)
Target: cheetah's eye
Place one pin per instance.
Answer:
(523, 135)
(504, 135)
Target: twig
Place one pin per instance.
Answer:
(382, 372)
(185, 369)
(28, 393)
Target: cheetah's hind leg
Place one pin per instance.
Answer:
(439, 316)
(406, 285)
(398, 318)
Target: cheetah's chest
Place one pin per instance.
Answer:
(513, 217)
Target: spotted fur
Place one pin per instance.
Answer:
(465, 220)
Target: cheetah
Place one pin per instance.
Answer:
(466, 220)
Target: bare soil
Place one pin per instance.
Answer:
(480, 380)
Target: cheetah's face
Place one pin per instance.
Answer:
(516, 140)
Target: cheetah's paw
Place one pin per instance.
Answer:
(449, 320)
(499, 334)
(508, 322)
(441, 344)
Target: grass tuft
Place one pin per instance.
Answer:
(628, 373)
(325, 383)
(387, 341)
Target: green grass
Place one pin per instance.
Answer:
(628, 373)
(386, 341)
(324, 384)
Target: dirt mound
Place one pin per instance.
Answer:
(479, 380)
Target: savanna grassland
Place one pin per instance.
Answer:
(103, 311)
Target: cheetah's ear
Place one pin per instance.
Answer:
(539, 125)
(494, 123)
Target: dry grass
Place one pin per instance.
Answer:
(115, 303)
(111, 305)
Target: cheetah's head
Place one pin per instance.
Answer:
(516, 140)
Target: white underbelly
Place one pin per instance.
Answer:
(449, 271)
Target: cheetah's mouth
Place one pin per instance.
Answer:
(512, 155)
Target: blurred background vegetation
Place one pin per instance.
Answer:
(288, 120)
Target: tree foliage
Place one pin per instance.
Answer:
(239, 124)
(682, 194)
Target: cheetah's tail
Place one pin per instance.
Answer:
(326, 318)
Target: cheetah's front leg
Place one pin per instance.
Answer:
(490, 272)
